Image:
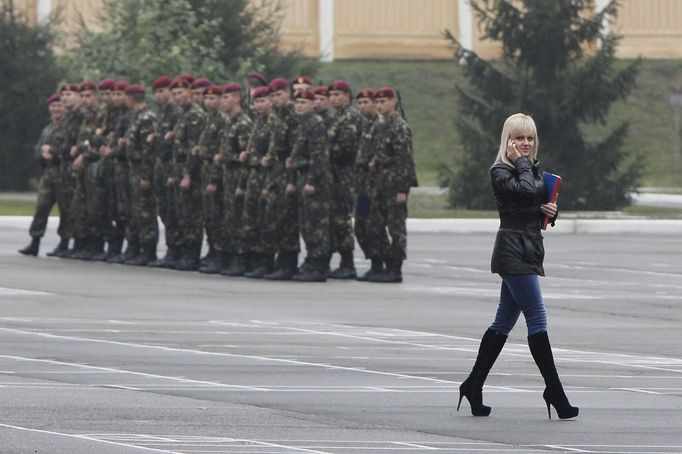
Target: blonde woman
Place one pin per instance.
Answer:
(517, 257)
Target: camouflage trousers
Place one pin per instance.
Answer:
(314, 220)
(252, 215)
(280, 218)
(387, 226)
(341, 210)
(165, 201)
(55, 187)
(188, 207)
(233, 207)
(120, 206)
(88, 213)
(212, 205)
(106, 197)
(142, 224)
(362, 210)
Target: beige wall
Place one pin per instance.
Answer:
(651, 28)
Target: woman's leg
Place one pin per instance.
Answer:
(507, 311)
(525, 291)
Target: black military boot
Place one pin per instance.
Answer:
(78, 245)
(376, 269)
(132, 249)
(95, 250)
(219, 262)
(61, 249)
(265, 266)
(113, 249)
(210, 256)
(145, 257)
(86, 250)
(238, 266)
(392, 275)
(32, 248)
(169, 260)
(346, 269)
(288, 265)
(190, 257)
(315, 272)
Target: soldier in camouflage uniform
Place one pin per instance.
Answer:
(309, 173)
(186, 178)
(199, 87)
(253, 80)
(232, 173)
(280, 234)
(344, 137)
(322, 106)
(85, 155)
(211, 187)
(50, 184)
(393, 165)
(142, 226)
(250, 231)
(364, 179)
(119, 207)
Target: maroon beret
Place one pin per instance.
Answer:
(365, 93)
(214, 90)
(385, 92)
(322, 91)
(187, 76)
(54, 98)
(279, 83)
(181, 82)
(305, 94)
(340, 85)
(106, 84)
(232, 87)
(162, 82)
(201, 83)
(133, 89)
(120, 85)
(302, 80)
(260, 92)
(258, 76)
(70, 87)
(88, 85)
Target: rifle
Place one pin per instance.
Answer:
(400, 105)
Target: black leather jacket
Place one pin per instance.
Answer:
(518, 191)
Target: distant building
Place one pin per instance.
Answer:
(411, 29)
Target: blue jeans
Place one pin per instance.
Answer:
(520, 293)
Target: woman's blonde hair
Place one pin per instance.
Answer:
(517, 125)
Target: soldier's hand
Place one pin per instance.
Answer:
(401, 197)
(78, 164)
(169, 136)
(99, 131)
(46, 154)
(74, 151)
(264, 193)
(195, 150)
(291, 188)
(145, 185)
(309, 188)
(151, 138)
(265, 161)
(170, 181)
(243, 156)
(105, 150)
(186, 181)
(373, 166)
(211, 188)
(239, 192)
(289, 163)
(218, 159)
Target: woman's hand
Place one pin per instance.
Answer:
(512, 153)
(549, 209)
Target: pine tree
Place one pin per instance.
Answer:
(557, 65)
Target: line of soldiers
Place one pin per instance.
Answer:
(253, 170)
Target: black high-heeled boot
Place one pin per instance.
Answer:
(472, 388)
(554, 394)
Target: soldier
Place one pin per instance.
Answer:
(232, 173)
(199, 87)
(186, 179)
(162, 140)
(142, 227)
(254, 79)
(393, 165)
(50, 189)
(322, 106)
(114, 151)
(70, 97)
(371, 135)
(85, 155)
(344, 137)
(254, 203)
(280, 234)
(300, 83)
(212, 189)
(309, 167)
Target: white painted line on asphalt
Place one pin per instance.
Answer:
(566, 448)
(6, 291)
(85, 438)
(414, 445)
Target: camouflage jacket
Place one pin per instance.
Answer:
(53, 135)
(209, 141)
(86, 142)
(394, 156)
(123, 121)
(234, 140)
(344, 137)
(259, 139)
(369, 144)
(284, 130)
(310, 156)
(186, 134)
(328, 118)
(166, 120)
(72, 125)
(139, 151)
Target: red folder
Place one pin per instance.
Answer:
(552, 184)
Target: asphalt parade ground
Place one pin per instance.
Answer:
(99, 358)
